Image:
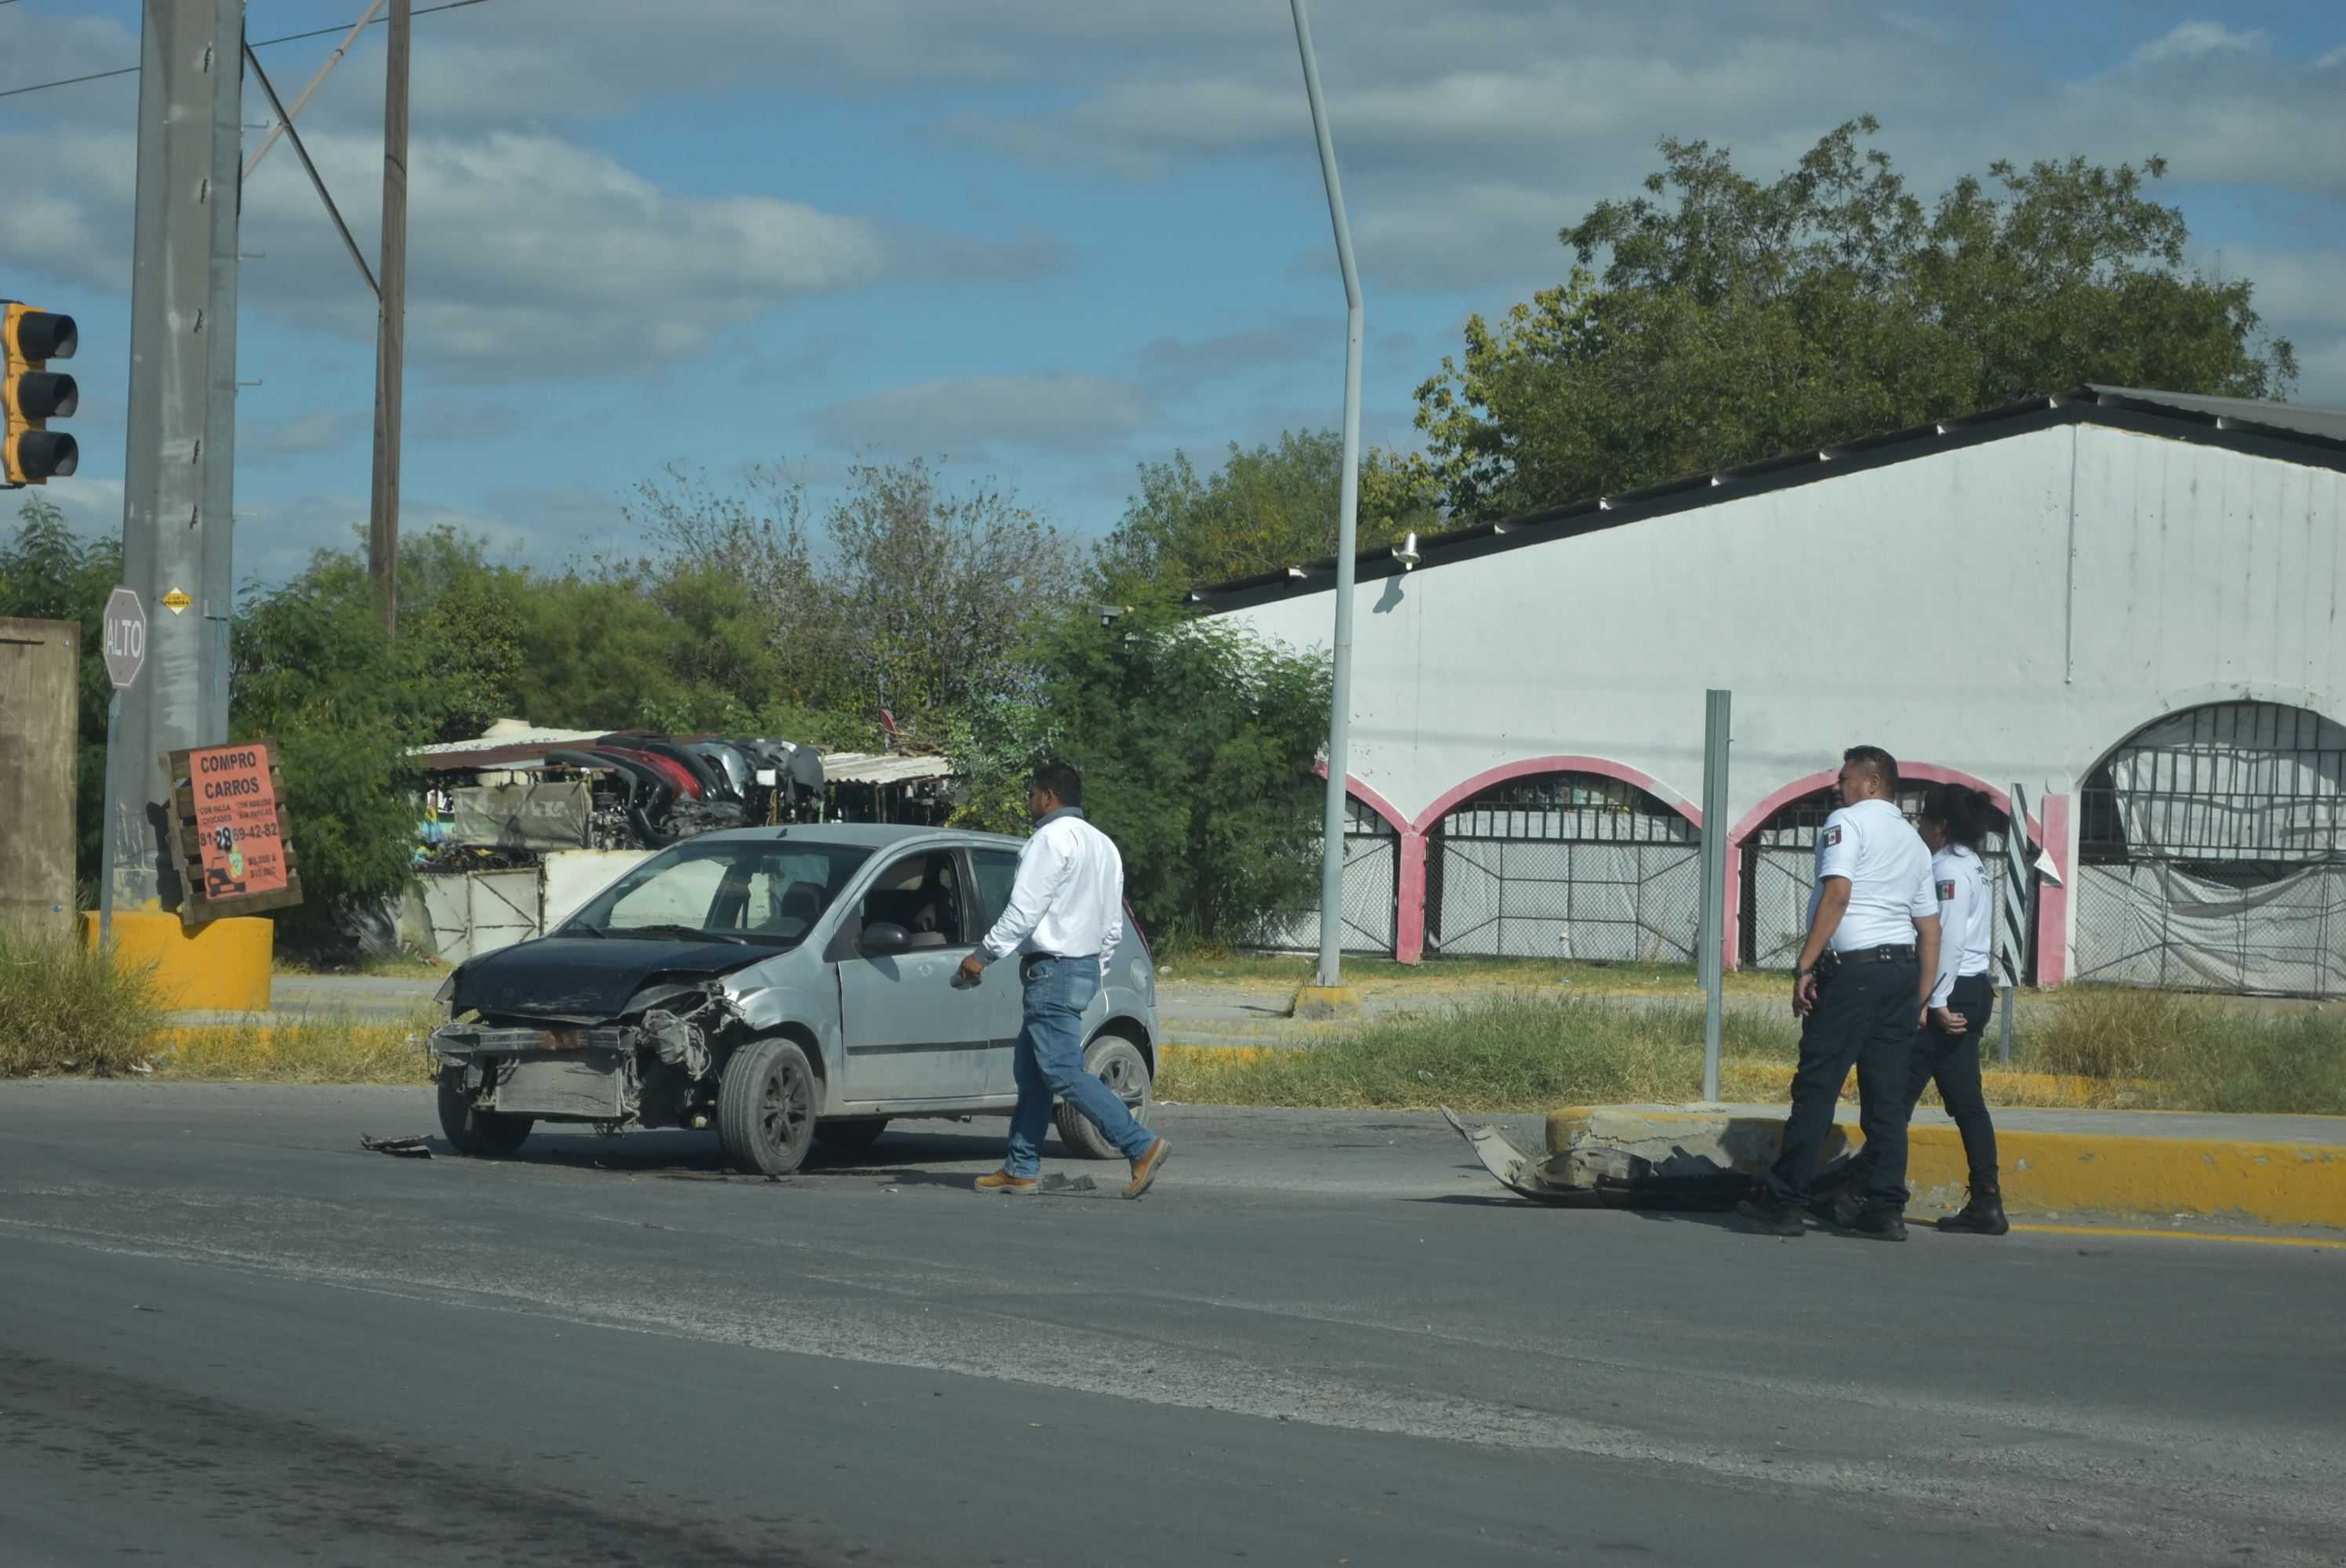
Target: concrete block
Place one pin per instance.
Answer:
(223, 966)
(1630, 1142)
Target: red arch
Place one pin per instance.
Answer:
(1927, 772)
(1533, 766)
(1367, 796)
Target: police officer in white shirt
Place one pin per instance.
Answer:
(1065, 920)
(1955, 820)
(1866, 972)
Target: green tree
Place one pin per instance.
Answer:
(47, 572)
(1735, 320)
(1196, 742)
(1264, 509)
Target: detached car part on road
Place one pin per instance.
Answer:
(778, 985)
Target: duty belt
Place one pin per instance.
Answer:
(1883, 954)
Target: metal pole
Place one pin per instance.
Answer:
(383, 512)
(2012, 924)
(106, 841)
(188, 63)
(1711, 956)
(1340, 710)
(218, 593)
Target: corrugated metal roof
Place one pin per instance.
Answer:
(2302, 418)
(2285, 431)
(514, 738)
(878, 768)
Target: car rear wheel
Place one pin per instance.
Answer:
(484, 1134)
(1118, 1063)
(849, 1137)
(765, 1108)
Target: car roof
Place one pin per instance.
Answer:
(862, 835)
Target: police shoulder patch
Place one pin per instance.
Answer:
(1829, 837)
(1947, 890)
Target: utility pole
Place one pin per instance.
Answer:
(1339, 712)
(175, 538)
(391, 333)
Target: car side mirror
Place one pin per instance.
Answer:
(882, 939)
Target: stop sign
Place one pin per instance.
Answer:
(126, 637)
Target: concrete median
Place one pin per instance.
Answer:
(2276, 1170)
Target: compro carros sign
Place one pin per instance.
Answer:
(235, 849)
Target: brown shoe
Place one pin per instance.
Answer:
(1009, 1186)
(1145, 1168)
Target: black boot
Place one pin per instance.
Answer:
(1982, 1215)
(1769, 1217)
(1873, 1221)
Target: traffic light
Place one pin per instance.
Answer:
(33, 394)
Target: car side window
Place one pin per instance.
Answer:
(921, 893)
(997, 873)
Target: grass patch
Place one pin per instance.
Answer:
(331, 1051)
(1497, 1054)
(2196, 1052)
(1530, 1053)
(1221, 965)
(63, 1009)
(405, 966)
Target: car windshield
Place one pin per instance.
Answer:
(769, 892)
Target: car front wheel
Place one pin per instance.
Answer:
(1118, 1063)
(484, 1134)
(765, 1108)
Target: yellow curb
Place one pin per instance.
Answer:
(1320, 1002)
(224, 967)
(2179, 1236)
(2055, 1091)
(1218, 1054)
(2101, 1173)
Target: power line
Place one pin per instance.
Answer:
(258, 44)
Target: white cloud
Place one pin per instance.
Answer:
(967, 419)
(2192, 40)
(529, 256)
(320, 430)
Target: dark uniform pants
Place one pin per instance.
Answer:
(1954, 1062)
(1866, 1014)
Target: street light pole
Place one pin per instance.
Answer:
(1339, 711)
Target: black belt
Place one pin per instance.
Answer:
(1884, 954)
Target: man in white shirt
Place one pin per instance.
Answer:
(1865, 973)
(1065, 920)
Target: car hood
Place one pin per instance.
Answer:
(588, 978)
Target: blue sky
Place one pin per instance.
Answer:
(1041, 239)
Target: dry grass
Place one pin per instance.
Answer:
(2196, 1052)
(65, 1010)
(332, 1051)
(1524, 1052)
(1504, 1052)
(1209, 965)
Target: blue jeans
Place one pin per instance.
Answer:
(1049, 1065)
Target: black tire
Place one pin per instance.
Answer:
(851, 1137)
(1121, 1065)
(484, 1134)
(765, 1108)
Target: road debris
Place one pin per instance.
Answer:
(1520, 1174)
(403, 1148)
(1054, 1182)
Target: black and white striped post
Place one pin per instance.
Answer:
(2011, 914)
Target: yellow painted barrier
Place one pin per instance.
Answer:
(2275, 1183)
(221, 967)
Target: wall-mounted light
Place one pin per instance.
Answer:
(1406, 554)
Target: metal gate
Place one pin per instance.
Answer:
(1371, 892)
(1780, 863)
(1568, 865)
(2212, 855)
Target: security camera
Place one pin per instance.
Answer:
(1110, 614)
(1406, 554)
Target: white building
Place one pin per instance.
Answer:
(2127, 603)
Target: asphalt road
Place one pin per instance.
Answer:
(228, 1336)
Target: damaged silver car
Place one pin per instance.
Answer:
(778, 985)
